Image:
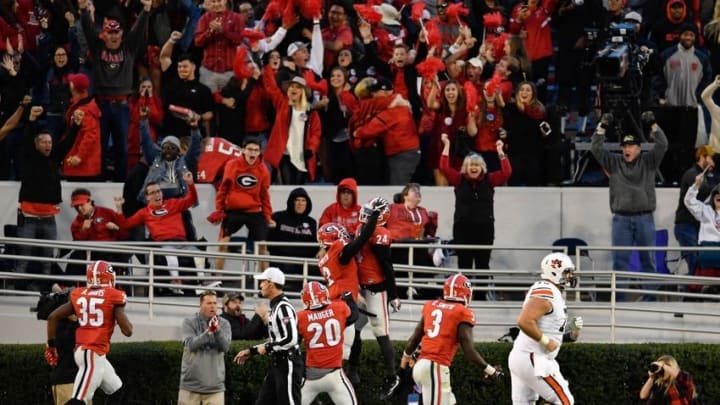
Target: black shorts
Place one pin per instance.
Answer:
(255, 222)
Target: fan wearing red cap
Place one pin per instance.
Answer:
(113, 53)
(83, 161)
(93, 223)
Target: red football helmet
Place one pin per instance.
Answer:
(376, 204)
(457, 288)
(315, 295)
(330, 232)
(100, 274)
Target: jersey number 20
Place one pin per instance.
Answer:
(331, 329)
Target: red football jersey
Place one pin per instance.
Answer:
(369, 269)
(440, 321)
(339, 277)
(322, 331)
(95, 308)
(217, 152)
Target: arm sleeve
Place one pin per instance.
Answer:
(499, 177)
(352, 248)
(193, 154)
(317, 51)
(223, 336)
(149, 149)
(694, 205)
(659, 149)
(354, 311)
(382, 252)
(253, 330)
(453, 176)
(191, 339)
(599, 152)
(66, 143)
(88, 28)
(275, 40)
(136, 37)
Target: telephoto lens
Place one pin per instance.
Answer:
(655, 368)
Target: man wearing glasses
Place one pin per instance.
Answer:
(243, 198)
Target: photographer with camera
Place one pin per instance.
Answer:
(667, 384)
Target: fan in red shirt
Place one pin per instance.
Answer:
(243, 198)
(345, 209)
(321, 326)
(444, 323)
(163, 219)
(98, 307)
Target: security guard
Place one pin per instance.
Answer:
(282, 382)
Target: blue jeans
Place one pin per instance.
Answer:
(35, 228)
(687, 235)
(114, 124)
(630, 230)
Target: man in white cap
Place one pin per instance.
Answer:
(281, 385)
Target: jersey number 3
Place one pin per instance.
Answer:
(90, 311)
(437, 316)
(330, 328)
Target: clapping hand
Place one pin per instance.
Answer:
(213, 325)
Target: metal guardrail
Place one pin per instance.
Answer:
(593, 281)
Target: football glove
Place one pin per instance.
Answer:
(576, 324)
(395, 304)
(51, 355)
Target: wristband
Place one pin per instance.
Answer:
(51, 342)
(253, 350)
(489, 370)
(544, 340)
(405, 354)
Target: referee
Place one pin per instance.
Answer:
(281, 385)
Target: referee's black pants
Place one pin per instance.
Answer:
(282, 382)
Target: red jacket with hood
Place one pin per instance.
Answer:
(245, 187)
(277, 143)
(87, 143)
(335, 212)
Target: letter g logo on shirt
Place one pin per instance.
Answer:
(246, 180)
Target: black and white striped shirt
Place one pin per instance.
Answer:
(282, 326)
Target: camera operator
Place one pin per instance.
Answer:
(576, 23)
(667, 384)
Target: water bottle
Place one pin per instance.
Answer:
(413, 399)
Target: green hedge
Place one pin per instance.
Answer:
(598, 373)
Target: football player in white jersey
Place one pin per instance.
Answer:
(543, 324)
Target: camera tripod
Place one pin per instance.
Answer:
(625, 108)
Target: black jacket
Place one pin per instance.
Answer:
(294, 227)
(246, 329)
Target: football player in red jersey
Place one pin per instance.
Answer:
(98, 307)
(321, 325)
(377, 289)
(445, 323)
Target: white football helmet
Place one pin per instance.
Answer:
(559, 269)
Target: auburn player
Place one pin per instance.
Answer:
(321, 325)
(98, 307)
(543, 327)
(377, 288)
(444, 323)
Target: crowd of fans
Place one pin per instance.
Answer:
(334, 89)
